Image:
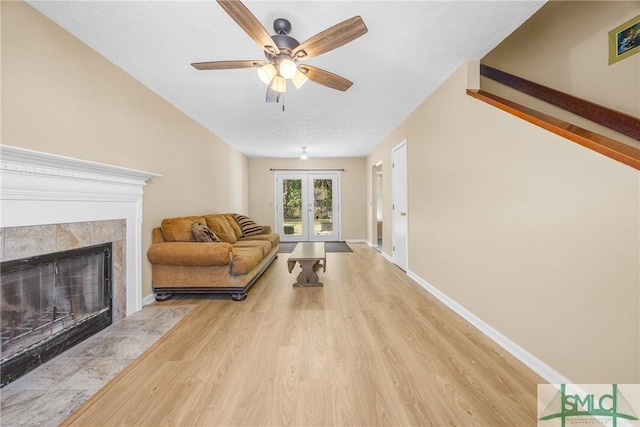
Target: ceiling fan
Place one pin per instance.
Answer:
(284, 53)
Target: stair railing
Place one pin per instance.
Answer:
(620, 122)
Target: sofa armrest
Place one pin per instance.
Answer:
(266, 229)
(190, 253)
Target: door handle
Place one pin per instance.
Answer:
(403, 214)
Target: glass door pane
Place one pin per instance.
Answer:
(323, 192)
(292, 207)
(322, 206)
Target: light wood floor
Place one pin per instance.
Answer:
(371, 348)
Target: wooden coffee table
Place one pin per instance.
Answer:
(311, 256)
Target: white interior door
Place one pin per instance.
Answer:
(307, 206)
(400, 218)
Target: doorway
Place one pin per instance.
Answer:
(307, 206)
(377, 206)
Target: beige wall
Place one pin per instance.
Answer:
(352, 182)
(565, 46)
(61, 97)
(535, 235)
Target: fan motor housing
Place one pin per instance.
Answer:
(285, 42)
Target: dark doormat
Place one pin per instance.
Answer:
(287, 247)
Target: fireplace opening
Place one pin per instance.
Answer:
(49, 303)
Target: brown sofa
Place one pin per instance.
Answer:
(182, 264)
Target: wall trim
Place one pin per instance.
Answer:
(535, 364)
(30, 162)
(149, 299)
(380, 251)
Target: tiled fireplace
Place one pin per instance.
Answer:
(53, 301)
(52, 204)
(22, 243)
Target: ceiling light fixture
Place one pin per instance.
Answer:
(267, 73)
(283, 53)
(287, 68)
(275, 74)
(281, 66)
(279, 84)
(304, 154)
(299, 79)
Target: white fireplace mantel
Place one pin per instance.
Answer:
(38, 188)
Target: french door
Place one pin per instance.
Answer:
(307, 206)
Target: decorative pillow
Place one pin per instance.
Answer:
(248, 226)
(202, 233)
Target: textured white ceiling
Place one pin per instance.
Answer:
(410, 49)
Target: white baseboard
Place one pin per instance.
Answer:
(379, 249)
(535, 364)
(387, 257)
(149, 299)
(357, 241)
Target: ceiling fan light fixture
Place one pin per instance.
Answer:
(279, 84)
(287, 68)
(299, 79)
(266, 73)
(282, 52)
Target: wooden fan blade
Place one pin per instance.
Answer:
(226, 65)
(250, 24)
(331, 38)
(325, 78)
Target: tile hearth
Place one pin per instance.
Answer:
(49, 394)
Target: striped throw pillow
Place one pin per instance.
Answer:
(247, 225)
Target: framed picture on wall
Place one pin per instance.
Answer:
(624, 40)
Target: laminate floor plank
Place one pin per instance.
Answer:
(370, 348)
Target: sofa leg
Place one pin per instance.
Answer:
(163, 296)
(239, 296)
